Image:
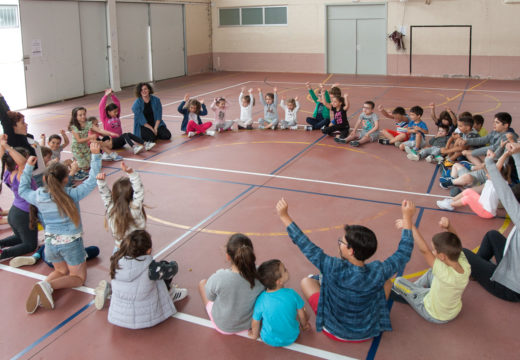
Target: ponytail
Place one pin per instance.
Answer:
(240, 250)
(54, 177)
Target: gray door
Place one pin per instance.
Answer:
(356, 39)
(371, 39)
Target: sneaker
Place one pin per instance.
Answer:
(274, 127)
(102, 291)
(445, 204)
(308, 128)
(249, 127)
(282, 127)
(384, 141)
(149, 145)
(192, 134)
(20, 261)
(354, 143)
(409, 150)
(178, 293)
(295, 127)
(115, 156)
(106, 157)
(445, 172)
(397, 143)
(183, 132)
(413, 157)
(340, 140)
(138, 149)
(240, 127)
(210, 132)
(439, 159)
(45, 292)
(261, 127)
(466, 164)
(33, 301)
(80, 175)
(445, 182)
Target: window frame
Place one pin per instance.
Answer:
(17, 16)
(254, 7)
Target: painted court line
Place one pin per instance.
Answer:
(308, 350)
(274, 176)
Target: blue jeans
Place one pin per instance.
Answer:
(92, 252)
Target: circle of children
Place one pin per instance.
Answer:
(348, 294)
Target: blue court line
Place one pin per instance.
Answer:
(463, 95)
(59, 326)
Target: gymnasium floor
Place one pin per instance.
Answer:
(201, 190)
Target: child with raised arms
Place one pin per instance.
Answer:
(350, 300)
(193, 109)
(290, 120)
(339, 106)
(279, 312)
(400, 134)
(54, 143)
(417, 130)
(270, 103)
(142, 295)
(229, 295)
(58, 208)
(246, 109)
(124, 213)
(219, 107)
(437, 295)
(321, 115)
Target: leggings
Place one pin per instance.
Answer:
(471, 198)
(198, 129)
(23, 240)
(482, 268)
(126, 138)
(162, 134)
(318, 122)
(342, 128)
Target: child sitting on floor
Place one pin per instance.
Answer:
(436, 296)
(192, 110)
(246, 110)
(219, 107)
(339, 106)
(349, 301)
(229, 295)
(370, 127)
(291, 113)
(280, 312)
(270, 103)
(417, 130)
(433, 148)
(400, 134)
(479, 125)
(54, 143)
(454, 146)
(446, 117)
(321, 115)
(142, 295)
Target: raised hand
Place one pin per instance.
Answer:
(125, 168)
(100, 176)
(32, 160)
(186, 97)
(380, 107)
(444, 223)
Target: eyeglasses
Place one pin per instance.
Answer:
(340, 241)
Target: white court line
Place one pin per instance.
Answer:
(395, 86)
(308, 350)
(274, 176)
(37, 276)
(195, 96)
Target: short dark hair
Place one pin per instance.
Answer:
(447, 243)
(46, 151)
(445, 127)
(371, 103)
(504, 118)
(465, 114)
(417, 110)
(399, 111)
(269, 95)
(466, 120)
(54, 136)
(138, 87)
(269, 273)
(362, 240)
(478, 119)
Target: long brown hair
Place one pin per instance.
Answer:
(122, 195)
(54, 176)
(134, 245)
(240, 249)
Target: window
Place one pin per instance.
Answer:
(253, 16)
(9, 16)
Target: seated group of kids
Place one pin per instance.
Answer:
(348, 295)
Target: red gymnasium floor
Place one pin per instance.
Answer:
(201, 190)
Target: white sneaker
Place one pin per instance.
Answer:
(210, 132)
(308, 128)
(106, 157)
(412, 156)
(22, 261)
(445, 204)
(115, 157)
(295, 127)
(138, 149)
(46, 299)
(429, 158)
(178, 293)
(102, 291)
(149, 145)
(191, 134)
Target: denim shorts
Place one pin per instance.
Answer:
(72, 253)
